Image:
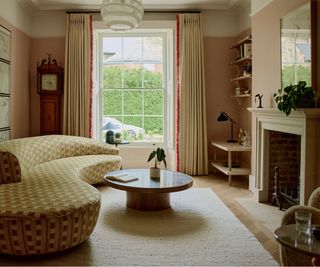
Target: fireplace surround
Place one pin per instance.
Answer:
(303, 122)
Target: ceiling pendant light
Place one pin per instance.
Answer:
(122, 15)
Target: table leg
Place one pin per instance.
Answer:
(148, 201)
(229, 167)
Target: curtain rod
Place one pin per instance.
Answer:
(146, 11)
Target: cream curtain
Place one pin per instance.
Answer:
(77, 81)
(192, 135)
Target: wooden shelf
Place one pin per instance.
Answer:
(232, 147)
(234, 171)
(241, 61)
(241, 96)
(243, 41)
(245, 77)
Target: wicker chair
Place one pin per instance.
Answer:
(290, 257)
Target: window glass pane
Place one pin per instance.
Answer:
(153, 102)
(132, 102)
(133, 128)
(153, 127)
(304, 73)
(132, 76)
(152, 75)
(112, 102)
(112, 49)
(152, 49)
(112, 76)
(132, 48)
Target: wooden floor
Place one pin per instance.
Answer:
(228, 194)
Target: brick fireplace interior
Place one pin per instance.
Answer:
(284, 151)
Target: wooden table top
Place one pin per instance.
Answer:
(169, 181)
(288, 236)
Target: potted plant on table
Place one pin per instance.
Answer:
(294, 96)
(159, 156)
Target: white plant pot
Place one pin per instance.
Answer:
(154, 173)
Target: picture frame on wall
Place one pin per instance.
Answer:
(5, 43)
(5, 135)
(5, 84)
(4, 112)
(4, 78)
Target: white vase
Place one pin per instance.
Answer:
(154, 173)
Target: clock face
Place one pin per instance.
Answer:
(49, 82)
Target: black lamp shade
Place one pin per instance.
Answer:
(225, 117)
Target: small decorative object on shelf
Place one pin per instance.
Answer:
(159, 156)
(117, 138)
(240, 137)
(246, 139)
(294, 96)
(260, 99)
(110, 137)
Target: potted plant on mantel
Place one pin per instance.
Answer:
(159, 156)
(294, 96)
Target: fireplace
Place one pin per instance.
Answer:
(301, 129)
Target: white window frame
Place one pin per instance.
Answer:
(168, 63)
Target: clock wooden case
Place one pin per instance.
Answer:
(50, 89)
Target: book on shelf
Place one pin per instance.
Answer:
(123, 178)
(247, 50)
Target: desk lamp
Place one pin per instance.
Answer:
(225, 117)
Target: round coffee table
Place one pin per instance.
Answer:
(150, 194)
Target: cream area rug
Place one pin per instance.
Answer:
(198, 230)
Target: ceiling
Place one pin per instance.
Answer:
(42, 5)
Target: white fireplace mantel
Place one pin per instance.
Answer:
(303, 122)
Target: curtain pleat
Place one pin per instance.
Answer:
(77, 85)
(192, 136)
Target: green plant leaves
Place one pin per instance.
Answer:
(289, 98)
(161, 156)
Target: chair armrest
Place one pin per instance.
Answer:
(314, 200)
(289, 216)
(10, 171)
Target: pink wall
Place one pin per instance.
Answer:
(40, 47)
(218, 72)
(20, 107)
(266, 53)
(266, 47)
(219, 88)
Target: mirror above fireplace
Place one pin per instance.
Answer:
(296, 47)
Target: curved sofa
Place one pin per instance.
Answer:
(53, 207)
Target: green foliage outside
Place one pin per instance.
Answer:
(288, 75)
(137, 97)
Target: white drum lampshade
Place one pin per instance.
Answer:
(122, 15)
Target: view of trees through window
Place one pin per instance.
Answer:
(296, 59)
(134, 87)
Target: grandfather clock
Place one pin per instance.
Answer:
(50, 87)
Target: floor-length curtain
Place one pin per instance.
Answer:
(77, 81)
(192, 151)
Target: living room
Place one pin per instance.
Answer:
(235, 88)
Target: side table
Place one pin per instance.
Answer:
(230, 148)
(288, 236)
(123, 142)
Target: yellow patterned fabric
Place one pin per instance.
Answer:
(9, 168)
(53, 207)
(35, 150)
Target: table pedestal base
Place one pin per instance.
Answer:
(148, 201)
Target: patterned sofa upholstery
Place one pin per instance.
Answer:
(53, 207)
(291, 257)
